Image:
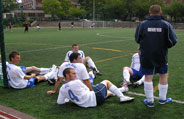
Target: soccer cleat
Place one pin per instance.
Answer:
(168, 100)
(126, 99)
(136, 84)
(95, 71)
(148, 104)
(51, 81)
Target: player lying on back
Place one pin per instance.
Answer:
(78, 93)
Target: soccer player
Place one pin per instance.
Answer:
(133, 72)
(80, 94)
(87, 61)
(37, 27)
(76, 63)
(155, 36)
(18, 79)
(59, 26)
(26, 27)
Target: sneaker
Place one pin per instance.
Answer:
(168, 100)
(149, 104)
(126, 99)
(95, 71)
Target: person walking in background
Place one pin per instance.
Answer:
(155, 36)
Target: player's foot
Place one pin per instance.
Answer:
(148, 104)
(168, 100)
(136, 84)
(95, 71)
(51, 81)
(126, 99)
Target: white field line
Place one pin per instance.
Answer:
(139, 94)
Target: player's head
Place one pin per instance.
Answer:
(155, 10)
(75, 58)
(139, 50)
(69, 74)
(14, 57)
(75, 48)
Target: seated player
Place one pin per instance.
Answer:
(87, 61)
(17, 77)
(82, 74)
(78, 93)
(133, 72)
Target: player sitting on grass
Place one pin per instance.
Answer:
(80, 94)
(133, 72)
(76, 63)
(17, 77)
(87, 61)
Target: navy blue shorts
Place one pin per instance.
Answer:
(100, 92)
(31, 82)
(151, 71)
(136, 74)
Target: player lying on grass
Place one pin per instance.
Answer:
(87, 61)
(133, 72)
(78, 93)
(76, 63)
(18, 79)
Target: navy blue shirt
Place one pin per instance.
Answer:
(155, 36)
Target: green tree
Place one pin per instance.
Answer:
(77, 13)
(9, 5)
(52, 7)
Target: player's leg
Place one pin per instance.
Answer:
(52, 74)
(139, 82)
(33, 69)
(111, 87)
(88, 61)
(127, 72)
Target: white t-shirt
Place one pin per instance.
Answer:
(78, 93)
(135, 62)
(80, 69)
(70, 52)
(15, 76)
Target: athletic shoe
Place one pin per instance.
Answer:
(95, 71)
(51, 81)
(149, 104)
(136, 84)
(126, 99)
(168, 100)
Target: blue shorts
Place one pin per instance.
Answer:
(31, 82)
(151, 71)
(23, 69)
(100, 92)
(91, 80)
(136, 74)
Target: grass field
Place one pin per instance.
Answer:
(111, 49)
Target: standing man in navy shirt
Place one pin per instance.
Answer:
(155, 36)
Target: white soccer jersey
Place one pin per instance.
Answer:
(80, 69)
(135, 62)
(70, 52)
(78, 93)
(15, 76)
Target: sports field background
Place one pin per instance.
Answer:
(111, 49)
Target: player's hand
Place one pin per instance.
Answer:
(51, 92)
(33, 75)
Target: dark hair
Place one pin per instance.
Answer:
(73, 56)
(74, 45)
(13, 55)
(67, 71)
(155, 9)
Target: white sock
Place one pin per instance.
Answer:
(163, 91)
(126, 75)
(122, 89)
(116, 91)
(141, 80)
(91, 63)
(148, 89)
(50, 75)
(44, 71)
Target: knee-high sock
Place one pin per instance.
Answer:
(116, 91)
(141, 80)
(91, 63)
(163, 91)
(126, 75)
(148, 89)
(44, 71)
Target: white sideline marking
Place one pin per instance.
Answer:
(70, 46)
(139, 94)
(98, 34)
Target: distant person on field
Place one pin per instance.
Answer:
(59, 26)
(87, 61)
(18, 79)
(72, 24)
(10, 27)
(75, 91)
(155, 36)
(37, 27)
(26, 27)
